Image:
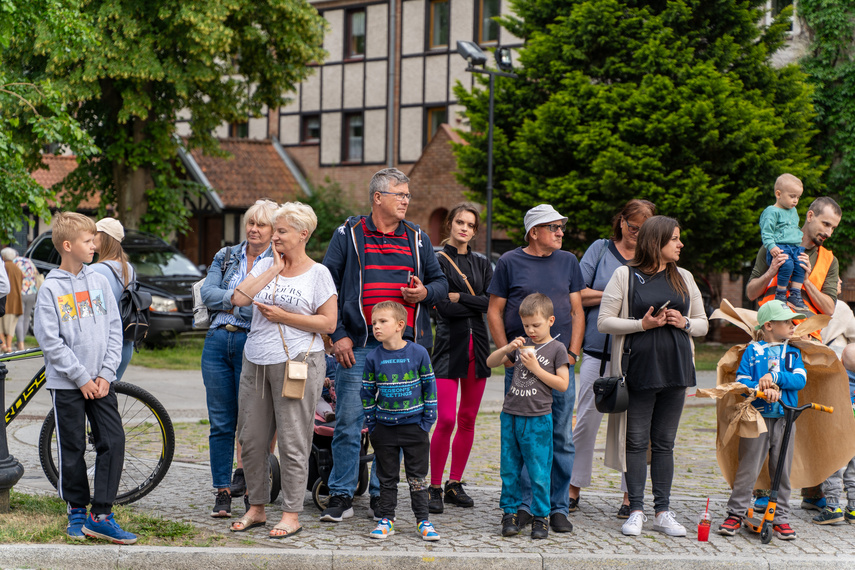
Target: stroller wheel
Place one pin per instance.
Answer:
(275, 476)
(320, 494)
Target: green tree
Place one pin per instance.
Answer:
(332, 210)
(674, 101)
(216, 61)
(830, 65)
(32, 111)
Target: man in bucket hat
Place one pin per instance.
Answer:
(542, 267)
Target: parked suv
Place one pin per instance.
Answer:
(161, 269)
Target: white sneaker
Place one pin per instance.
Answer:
(632, 526)
(667, 523)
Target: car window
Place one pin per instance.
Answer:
(45, 252)
(162, 263)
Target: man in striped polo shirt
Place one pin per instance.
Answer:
(374, 258)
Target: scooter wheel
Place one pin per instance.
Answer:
(766, 532)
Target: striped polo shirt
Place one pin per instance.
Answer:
(388, 262)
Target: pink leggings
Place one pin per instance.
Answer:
(471, 392)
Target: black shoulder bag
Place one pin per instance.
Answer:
(610, 393)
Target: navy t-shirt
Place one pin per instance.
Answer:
(519, 274)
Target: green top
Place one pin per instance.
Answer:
(779, 226)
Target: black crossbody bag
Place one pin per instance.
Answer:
(610, 392)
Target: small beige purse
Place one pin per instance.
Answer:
(296, 373)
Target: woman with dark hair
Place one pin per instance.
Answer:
(657, 324)
(459, 355)
(598, 264)
(113, 264)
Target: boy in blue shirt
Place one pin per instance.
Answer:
(399, 400)
(776, 368)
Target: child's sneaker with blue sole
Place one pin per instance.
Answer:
(107, 529)
(427, 532)
(384, 529)
(76, 520)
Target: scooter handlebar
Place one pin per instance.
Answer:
(818, 407)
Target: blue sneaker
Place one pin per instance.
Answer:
(384, 530)
(760, 504)
(76, 520)
(813, 504)
(427, 532)
(108, 529)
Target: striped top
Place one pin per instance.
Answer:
(398, 387)
(388, 263)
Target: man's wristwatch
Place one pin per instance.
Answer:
(574, 355)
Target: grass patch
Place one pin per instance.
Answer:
(185, 354)
(39, 519)
(707, 354)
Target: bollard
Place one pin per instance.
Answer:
(11, 470)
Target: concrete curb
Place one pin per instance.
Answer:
(146, 557)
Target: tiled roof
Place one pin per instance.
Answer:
(255, 170)
(58, 167)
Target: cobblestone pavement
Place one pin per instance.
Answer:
(185, 494)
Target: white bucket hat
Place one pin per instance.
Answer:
(541, 214)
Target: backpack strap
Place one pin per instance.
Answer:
(118, 277)
(463, 275)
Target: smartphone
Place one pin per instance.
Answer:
(662, 308)
(411, 280)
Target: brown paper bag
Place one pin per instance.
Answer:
(823, 442)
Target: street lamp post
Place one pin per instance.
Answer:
(11, 470)
(475, 56)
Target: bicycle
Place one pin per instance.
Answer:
(149, 435)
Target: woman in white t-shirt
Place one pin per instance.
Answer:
(293, 302)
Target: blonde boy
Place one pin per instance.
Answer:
(540, 366)
(399, 400)
(77, 325)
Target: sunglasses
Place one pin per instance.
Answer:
(554, 227)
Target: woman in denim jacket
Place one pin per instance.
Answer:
(222, 355)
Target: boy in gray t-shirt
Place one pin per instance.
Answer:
(527, 413)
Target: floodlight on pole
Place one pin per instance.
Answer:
(474, 55)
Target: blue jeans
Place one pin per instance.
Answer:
(526, 447)
(563, 450)
(127, 352)
(791, 270)
(222, 360)
(349, 419)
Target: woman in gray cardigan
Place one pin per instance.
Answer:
(666, 311)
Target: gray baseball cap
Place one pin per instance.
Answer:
(541, 214)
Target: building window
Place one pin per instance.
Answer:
(488, 28)
(310, 129)
(435, 117)
(239, 130)
(438, 33)
(779, 5)
(355, 46)
(354, 135)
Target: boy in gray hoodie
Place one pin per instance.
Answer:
(77, 325)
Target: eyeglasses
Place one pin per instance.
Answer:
(554, 227)
(631, 227)
(400, 197)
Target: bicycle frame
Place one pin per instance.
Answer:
(31, 388)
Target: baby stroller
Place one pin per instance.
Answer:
(321, 460)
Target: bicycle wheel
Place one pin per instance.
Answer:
(149, 444)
